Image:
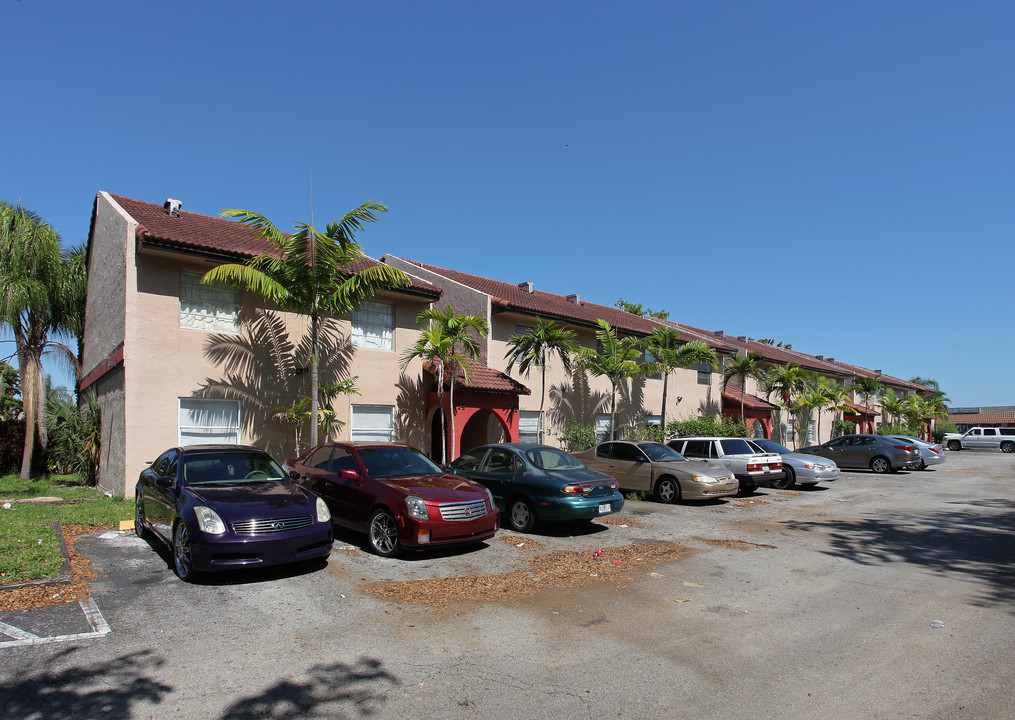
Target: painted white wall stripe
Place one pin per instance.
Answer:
(92, 614)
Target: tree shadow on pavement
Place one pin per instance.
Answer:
(109, 689)
(975, 544)
(336, 690)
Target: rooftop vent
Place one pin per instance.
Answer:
(527, 287)
(172, 207)
(878, 372)
(831, 359)
(720, 333)
(575, 298)
(742, 338)
(820, 357)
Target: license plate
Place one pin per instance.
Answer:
(604, 508)
(765, 468)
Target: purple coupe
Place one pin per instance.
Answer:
(228, 506)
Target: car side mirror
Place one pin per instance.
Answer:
(294, 474)
(349, 474)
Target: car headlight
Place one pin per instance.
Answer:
(489, 496)
(707, 479)
(209, 521)
(323, 513)
(417, 508)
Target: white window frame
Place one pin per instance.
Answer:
(372, 434)
(654, 420)
(531, 433)
(208, 308)
(373, 326)
(225, 434)
(704, 374)
(602, 428)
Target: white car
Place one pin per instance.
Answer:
(930, 453)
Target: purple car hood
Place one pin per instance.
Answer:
(438, 488)
(270, 497)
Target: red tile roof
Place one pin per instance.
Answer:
(483, 379)
(983, 418)
(750, 401)
(211, 234)
(860, 409)
(544, 304)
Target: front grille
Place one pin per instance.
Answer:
(461, 512)
(271, 526)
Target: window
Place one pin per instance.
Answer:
(211, 308)
(373, 326)
(704, 374)
(469, 460)
(502, 461)
(602, 428)
(528, 427)
(320, 458)
(790, 428)
(757, 429)
(526, 330)
(603, 450)
(810, 433)
(629, 453)
(650, 358)
(373, 423)
(654, 420)
(696, 448)
(209, 421)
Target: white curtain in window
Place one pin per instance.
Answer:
(204, 422)
(373, 326)
(528, 427)
(373, 423)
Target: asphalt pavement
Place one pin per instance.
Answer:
(810, 603)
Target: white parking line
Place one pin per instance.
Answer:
(92, 614)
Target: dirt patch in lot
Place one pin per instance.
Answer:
(37, 596)
(521, 541)
(733, 544)
(747, 502)
(626, 520)
(553, 570)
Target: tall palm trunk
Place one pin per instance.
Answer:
(542, 399)
(314, 378)
(440, 400)
(451, 407)
(662, 415)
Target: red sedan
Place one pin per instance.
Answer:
(397, 496)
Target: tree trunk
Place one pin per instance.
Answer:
(613, 413)
(29, 397)
(440, 399)
(542, 398)
(314, 402)
(451, 407)
(662, 416)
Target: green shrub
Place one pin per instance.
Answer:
(722, 426)
(843, 427)
(942, 427)
(652, 433)
(576, 437)
(898, 429)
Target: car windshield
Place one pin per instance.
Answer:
(657, 452)
(550, 459)
(230, 467)
(392, 462)
(770, 446)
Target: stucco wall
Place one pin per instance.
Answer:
(107, 280)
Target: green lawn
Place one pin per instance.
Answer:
(29, 549)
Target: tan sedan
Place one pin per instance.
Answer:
(661, 470)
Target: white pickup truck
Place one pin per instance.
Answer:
(989, 438)
(751, 467)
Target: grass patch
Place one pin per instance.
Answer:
(31, 550)
(637, 495)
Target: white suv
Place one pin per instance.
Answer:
(751, 467)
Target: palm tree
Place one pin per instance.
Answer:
(616, 359)
(311, 274)
(893, 405)
(447, 342)
(42, 293)
(867, 387)
(833, 396)
(743, 367)
(535, 347)
(787, 381)
(670, 354)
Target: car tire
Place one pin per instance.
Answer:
(140, 524)
(922, 465)
(1007, 447)
(787, 481)
(954, 445)
(520, 515)
(667, 490)
(183, 560)
(880, 464)
(383, 534)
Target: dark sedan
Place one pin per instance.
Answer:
(397, 496)
(533, 483)
(228, 506)
(880, 453)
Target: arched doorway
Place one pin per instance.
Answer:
(483, 427)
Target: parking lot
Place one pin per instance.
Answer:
(783, 604)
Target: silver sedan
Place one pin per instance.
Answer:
(930, 453)
(798, 468)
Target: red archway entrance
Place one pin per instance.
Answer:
(485, 410)
(756, 411)
(862, 416)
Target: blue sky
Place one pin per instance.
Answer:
(835, 176)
